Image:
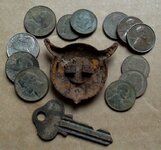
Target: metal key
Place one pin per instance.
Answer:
(56, 121)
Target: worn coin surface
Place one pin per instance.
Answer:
(135, 62)
(137, 80)
(40, 21)
(141, 38)
(18, 62)
(110, 24)
(83, 21)
(120, 95)
(23, 42)
(64, 29)
(125, 25)
(31, 84)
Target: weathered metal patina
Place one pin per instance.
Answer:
(78, 71)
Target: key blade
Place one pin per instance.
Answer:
(84, 131)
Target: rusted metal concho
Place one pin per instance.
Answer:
(78, 71)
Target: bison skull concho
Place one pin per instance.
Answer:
(78, 71)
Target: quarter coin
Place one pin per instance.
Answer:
(120, 95)
(83, 22)
(18, 62)
(137, 80)
(64, 29)
(23, 42)
(31, 84)
(125, 25)
(135, 62)
(141, 38)
(40, 21)
(111, 22)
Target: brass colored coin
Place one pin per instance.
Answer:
(40, 21)
(19, 61)
(137, 80)
(120, 95)
(125, 25)
(64, 29)
(135, 62)
(111, 22)
(141, 38)
(83, 22)
(31, 84)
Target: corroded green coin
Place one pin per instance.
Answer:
(40, 21)
(110, 24)
(31, 84)
(137, 80)
(19, 61)
(141, 38)
(64, 29)
(120, 95)
(83, 21)
(135, 62)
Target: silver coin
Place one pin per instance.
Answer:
(18, 62)
(40, 21)
(120, 95)
(111, 22)
(31, 84)
(135, 62)
(23, 42)
(125, 25)
(141, 38)
(64, 29)
(83, 22)
(137, 80)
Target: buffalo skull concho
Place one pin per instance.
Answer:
(79, 71)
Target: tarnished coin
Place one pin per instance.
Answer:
(64, 29)
(83, 21)
(125, 25)
(120, 95)
(135, 62)
(31, 84)
(141, 38)
(23, 42)
(110, 24)
(40, 21)
(18, 62)
(137, 80)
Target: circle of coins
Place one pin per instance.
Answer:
(135, 62)
(19, 61)
(141, 38)
(64, 29)
(40, 21)
(23, 42)
(83, 22)
(31, 84)
(135, 70)
(120, 95)
(110, 24)
(130, 30)
(137, 80)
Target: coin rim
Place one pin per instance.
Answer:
(41, 36)
(87, 33)
(38, 46)
(115, 109)
(136, 50)
(45, 93)
(71, 29)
